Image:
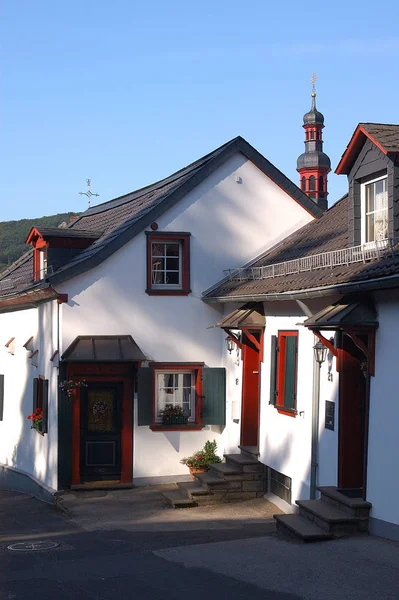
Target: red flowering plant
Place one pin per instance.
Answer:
(202, 458)
(69, 385)
(36, 420)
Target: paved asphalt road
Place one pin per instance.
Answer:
(108, 564)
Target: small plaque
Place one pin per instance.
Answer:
(330, 415)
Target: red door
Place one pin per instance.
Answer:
(352, 416)
(251, 389)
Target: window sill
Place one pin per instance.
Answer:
(289, 412)
(188, 427)
(151, 292)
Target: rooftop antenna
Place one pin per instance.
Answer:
(89, 193)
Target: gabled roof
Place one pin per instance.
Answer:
(121, 219)
(385, 137)
(60, 232)
(328, 234)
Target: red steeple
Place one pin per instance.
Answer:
(313, 165)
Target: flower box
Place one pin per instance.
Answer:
(174, 420)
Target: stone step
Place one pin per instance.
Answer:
(192, 488)
(300, 528)
(329, 518)
(241, 459)
(251, 450)
(211, 482)
(248, 463)
(225, 470)
(356, 507)
(178, 499)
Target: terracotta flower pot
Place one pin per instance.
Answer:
(197, 470)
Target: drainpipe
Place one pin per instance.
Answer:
(315, 427)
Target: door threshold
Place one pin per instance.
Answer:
(102, 485)
(252, 450)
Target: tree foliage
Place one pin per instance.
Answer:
(14, 233)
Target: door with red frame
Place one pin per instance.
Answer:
(353, 389)
(250, 407)
(100, 431)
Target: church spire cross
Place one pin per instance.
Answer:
(89, 193)
(313, 80)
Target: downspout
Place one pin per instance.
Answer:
(314, 452)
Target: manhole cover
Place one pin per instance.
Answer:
(32, 546)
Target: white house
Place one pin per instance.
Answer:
(114, 302)
(329, 428)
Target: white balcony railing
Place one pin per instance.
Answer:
(325, 260)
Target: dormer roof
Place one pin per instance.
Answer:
(51, 233)
(384, 136)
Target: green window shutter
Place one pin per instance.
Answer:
(44, 427)
(35, 404)
(145, 390)
(214, 396)
(1, 397)
(273, 370)
(290, 371)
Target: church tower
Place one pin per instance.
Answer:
(313, 165)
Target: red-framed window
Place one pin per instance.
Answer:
(284, 371)
(168, 263)
(40, 400)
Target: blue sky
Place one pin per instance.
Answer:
(126, 92)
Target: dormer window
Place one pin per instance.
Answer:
(375, 210)
(42, 263)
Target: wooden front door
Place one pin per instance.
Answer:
(250, 408)
(100, 431)
(352, 416)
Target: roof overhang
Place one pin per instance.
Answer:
(356, 143)
(103, 348)
(29, 299)
(344, 314)
(249, 315)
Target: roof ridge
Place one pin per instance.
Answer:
(156, 184)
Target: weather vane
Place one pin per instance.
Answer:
(313, 80)
(89, 193)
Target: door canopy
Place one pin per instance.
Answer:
(103, 348)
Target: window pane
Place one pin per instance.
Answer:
(158, 249)
(172, 264)
(172, 278)
(172, 249)
(381, 225)
(369, 198)
(370, 228)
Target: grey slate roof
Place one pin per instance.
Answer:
(67, 232)
(385, 134)
(121, 219)
(330, 232)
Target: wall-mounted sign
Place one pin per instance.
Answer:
(330, 415)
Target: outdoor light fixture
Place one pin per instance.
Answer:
(230, 344)
(320, 352)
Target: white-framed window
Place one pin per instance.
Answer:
(166, 264)
(375, 210)
(43, 263)
(176, 388)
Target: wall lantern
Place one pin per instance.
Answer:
(320, 352)
(230, 344)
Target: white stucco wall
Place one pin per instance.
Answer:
(383, 447)
(230, 223)
(20, 446)
(285, 441)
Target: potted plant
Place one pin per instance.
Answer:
(70, 387)
(173, 414)
(36, 420)
(199, 461)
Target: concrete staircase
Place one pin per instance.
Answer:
(333, 515)
(241, 477)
